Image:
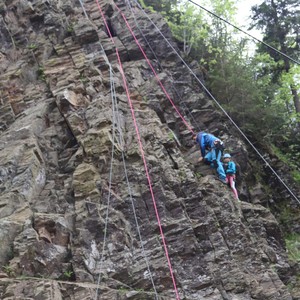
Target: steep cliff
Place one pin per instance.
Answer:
(77, 217)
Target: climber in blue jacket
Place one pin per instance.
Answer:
(211, 149)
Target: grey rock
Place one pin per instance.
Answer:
(66, 212)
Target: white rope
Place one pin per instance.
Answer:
(109, 189)
(116, 120)
(122, 146)
(81, 3)
(110, 180)
(121, 142)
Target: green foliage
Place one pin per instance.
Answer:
(226, 9)
(283, 94)
(279, 154)
(142, 2)
(68, 274)
(189, 28)
(257, 91)
(8, 270)
(286, 214)
(293, 246)
(288, 151)
(290, 158)
(41, 73)
(83, 78)
(182, 175)
(236, 83)
(280, 22)
(162, 6)
(70, 28)
(296, 176)
(124, 290)
(171, 136)
(32, 47)
(235, 80)
(198, 175)
(143, 294)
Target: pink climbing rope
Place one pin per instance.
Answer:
(154, 72)
(142, 154)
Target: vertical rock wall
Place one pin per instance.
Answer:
(56, 119)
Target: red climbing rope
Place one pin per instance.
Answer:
(143, 155)
(154, 72)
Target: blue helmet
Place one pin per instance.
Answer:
(227, 155)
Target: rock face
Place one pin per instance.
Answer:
(76, 224)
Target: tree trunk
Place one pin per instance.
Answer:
(296, 98)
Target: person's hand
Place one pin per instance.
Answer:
(200, 159)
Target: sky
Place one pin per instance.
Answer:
(244, 11)
(242, 17)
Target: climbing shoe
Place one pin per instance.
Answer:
(223, 180)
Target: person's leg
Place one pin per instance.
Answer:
(213, 154)
(214, 158)
(218, 164)
(220, 170)
(232, 185)
(208, 157)
(227, 179)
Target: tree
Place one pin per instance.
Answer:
(162, 6)
(190, 28)
(280, 21)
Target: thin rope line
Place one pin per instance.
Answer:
(109, 191)
(149, 181)
(267, 45)
(220, 106)
(81, 3)
(143, 156)
(154, 72)
(109, 195)
(121, 142)
(130, 192)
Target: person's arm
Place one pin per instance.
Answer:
(202, 146)
(231, 168)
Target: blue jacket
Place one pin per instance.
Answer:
(205, 141)
(229, 167)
